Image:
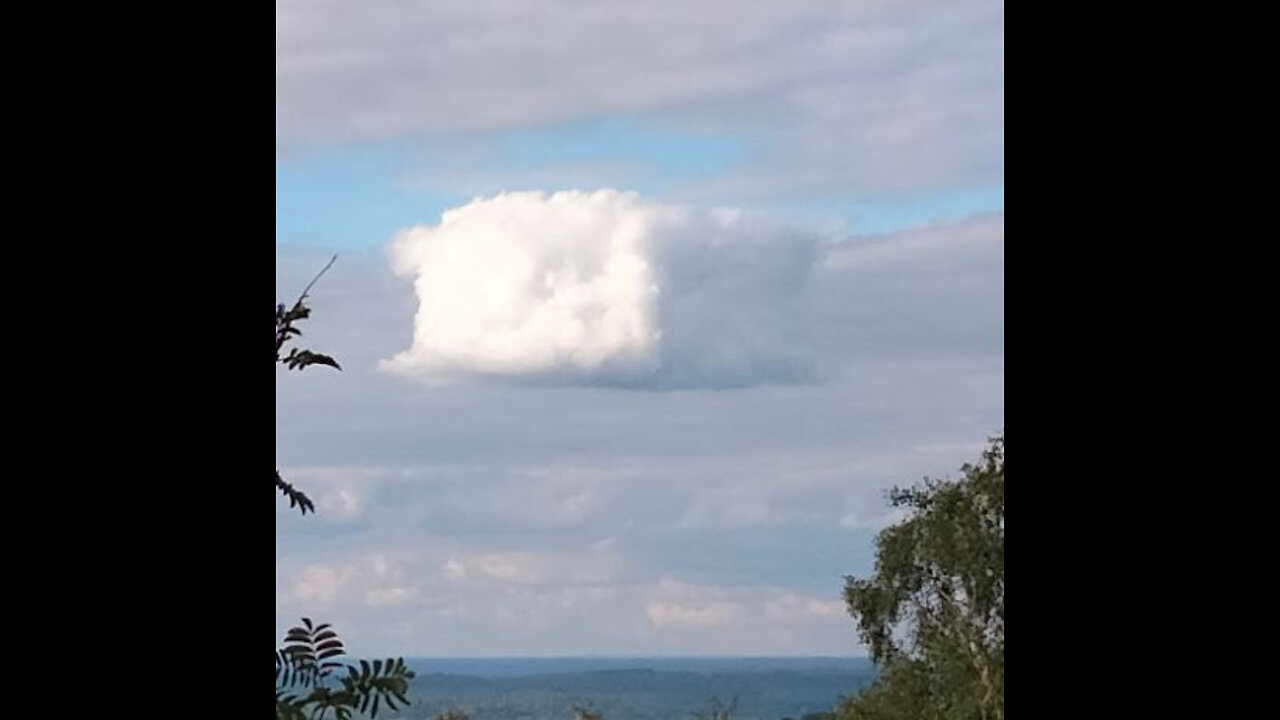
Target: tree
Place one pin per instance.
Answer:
(717, 710)
(310, 677)
(932, 615)
(310, 663)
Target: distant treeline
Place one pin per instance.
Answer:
(634, 694)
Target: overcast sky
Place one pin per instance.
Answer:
(642, 307)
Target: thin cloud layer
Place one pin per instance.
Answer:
(867, 96)
(605, 288)
(535, 602)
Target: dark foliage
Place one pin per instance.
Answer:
(296, 359)
(311, 682)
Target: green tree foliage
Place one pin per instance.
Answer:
(932, 616)
(311, 682)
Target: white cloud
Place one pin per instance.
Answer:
(374, 580)
(673, 614)
(427, 601)
(318, 583)
(675, 604)
(343, 503)
(531, 568)
(789, 606)
(340, 495)
(390, 597)
(605, 288)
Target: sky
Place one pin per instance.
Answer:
(641, 308)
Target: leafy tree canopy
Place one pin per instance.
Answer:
(932, 615)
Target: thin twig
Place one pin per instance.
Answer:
(307, 289)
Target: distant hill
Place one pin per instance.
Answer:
(631, 688)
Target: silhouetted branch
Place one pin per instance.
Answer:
(296, 496)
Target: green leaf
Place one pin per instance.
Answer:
(329, 646)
